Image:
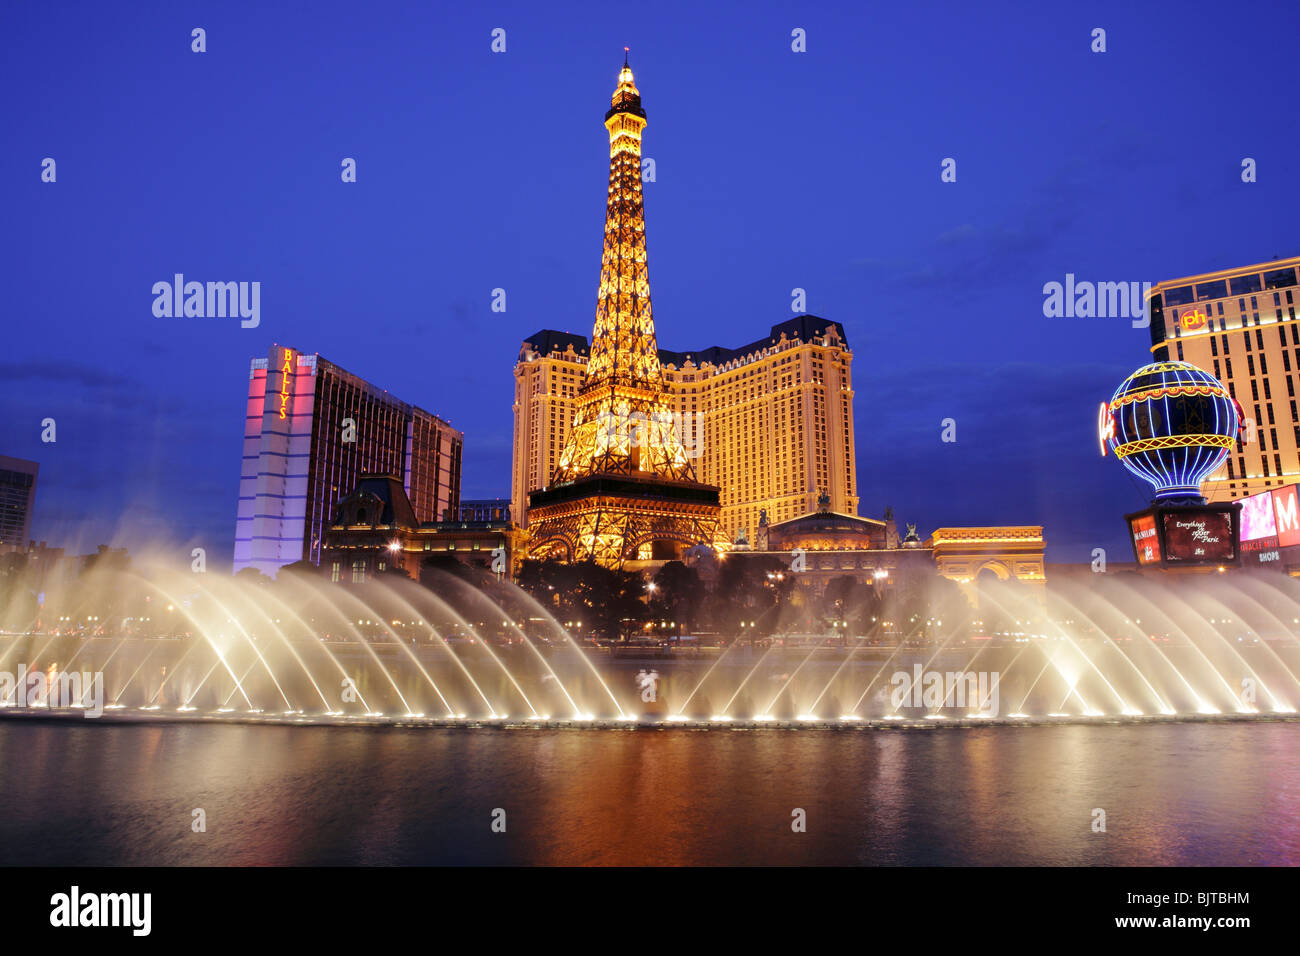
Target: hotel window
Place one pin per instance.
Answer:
(1279, 279)
(1214, 346)
(358, 572)
(1259, 338)
(1243, 285)
(334, 570)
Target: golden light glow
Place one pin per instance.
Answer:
(1173, 441)
(623, 423)
(286, 370)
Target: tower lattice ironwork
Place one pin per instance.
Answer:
(624, 487)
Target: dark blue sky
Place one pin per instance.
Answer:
(479, 170)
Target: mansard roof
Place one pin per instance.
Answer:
(387, 490)
(802, 328)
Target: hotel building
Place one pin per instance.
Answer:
(769, 423)
(1241, 325)
(17, 497)
(374, 530)
(311, 431)
(830, 546)
(481, 509)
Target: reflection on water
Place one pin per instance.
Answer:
(1173, 794)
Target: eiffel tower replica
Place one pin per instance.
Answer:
(624, 489)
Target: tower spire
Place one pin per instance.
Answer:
(624, 488)
(623, 422)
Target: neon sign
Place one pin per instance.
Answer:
(1105, 427)
(1257, 519)
(1145, 540)
(1170, 424)
(1193, 320)
(285, 370)
(1288, 521)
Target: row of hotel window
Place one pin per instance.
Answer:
(1240, 473)
(1235, 285)
(1255, 385)
(1259, 339)
(1241, 305)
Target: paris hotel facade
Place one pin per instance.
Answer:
(769, 423)
(1241, 325)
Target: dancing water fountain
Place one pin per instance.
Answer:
(302, 650)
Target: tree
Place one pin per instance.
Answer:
(252, 576)
(608, 602)
(678, 595)
(751, 588)
(17, 601)
(851, 601)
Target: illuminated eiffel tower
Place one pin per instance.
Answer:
(624, 489)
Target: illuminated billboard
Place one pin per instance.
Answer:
(1257, 517)
(1146, 543)
(1287, 516)
(1198, 537)
(1190, 537)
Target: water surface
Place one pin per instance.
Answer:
(1173, 794)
